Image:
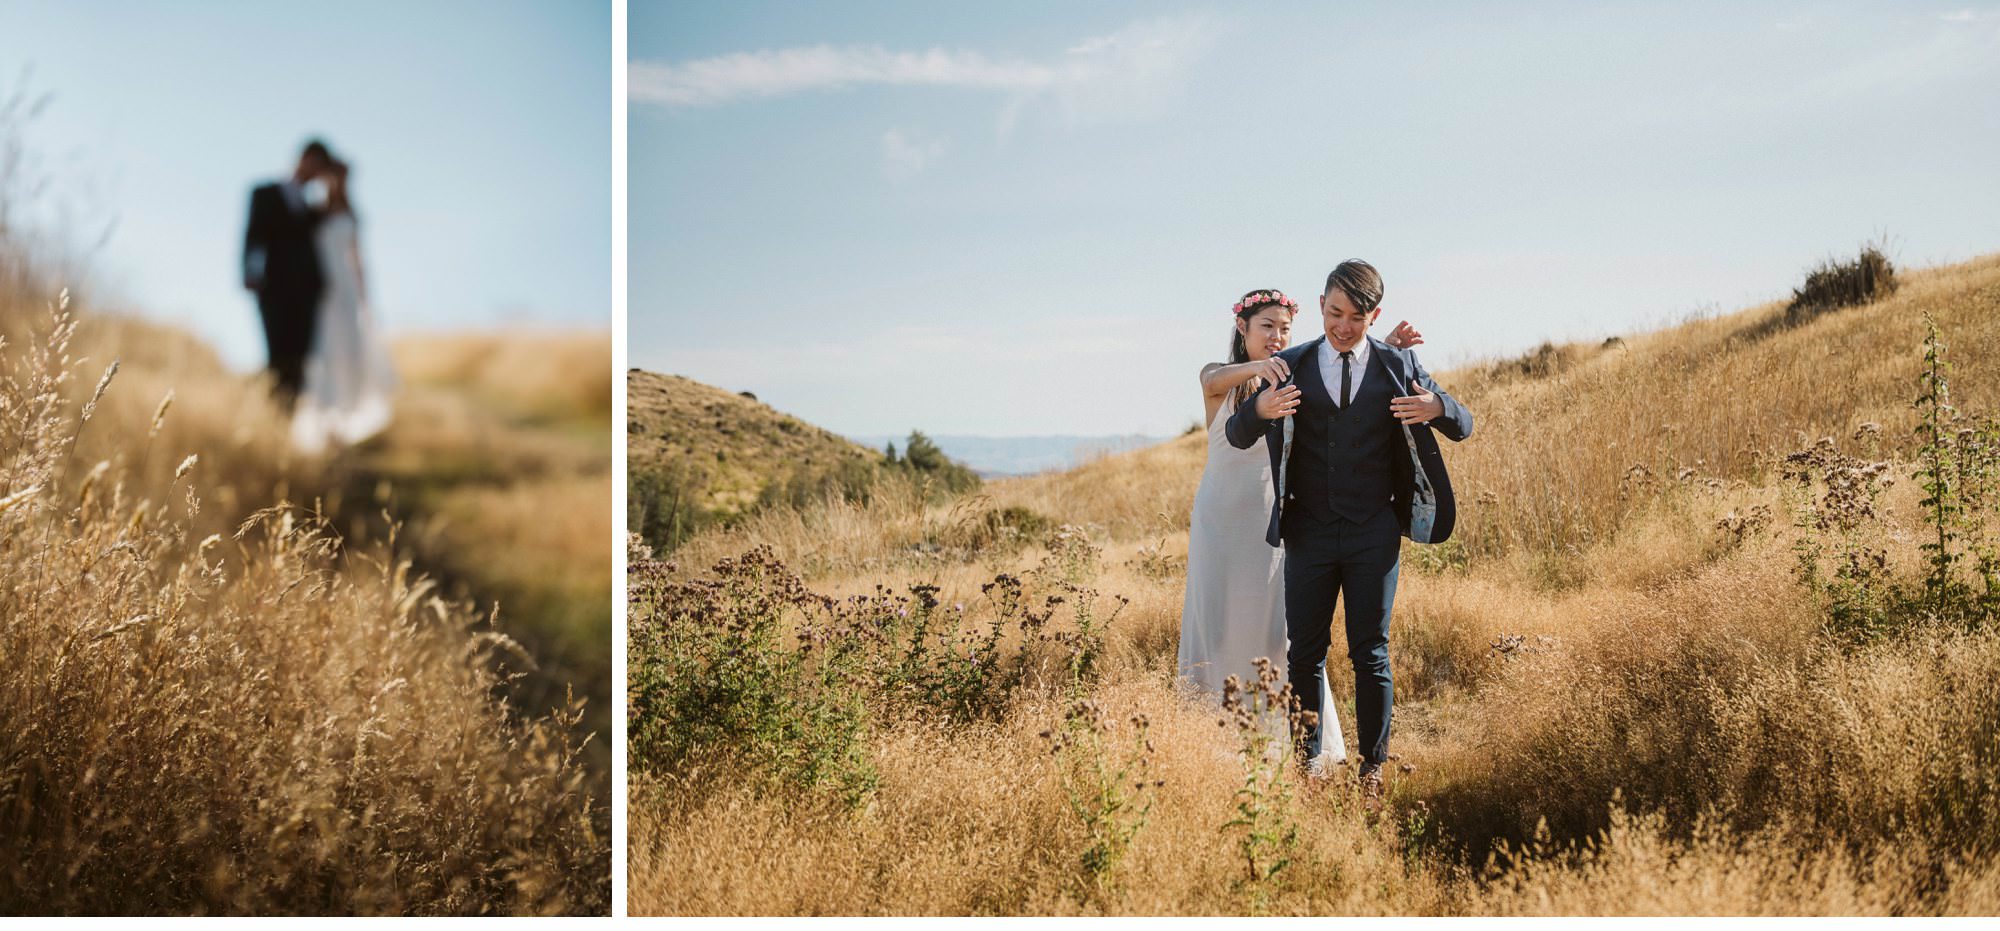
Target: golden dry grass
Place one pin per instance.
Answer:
(551, 373)
(500, 456)
(1627, 709)
(977, 823)
(1722, 397)
(255, 720)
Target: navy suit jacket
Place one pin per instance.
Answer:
(1245, 428)
(278, 250)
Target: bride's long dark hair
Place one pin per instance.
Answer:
(337, 198)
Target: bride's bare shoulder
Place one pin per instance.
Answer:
(1210, 387)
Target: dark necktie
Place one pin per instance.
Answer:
(1345, 359)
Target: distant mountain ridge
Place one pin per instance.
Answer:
(999, 456)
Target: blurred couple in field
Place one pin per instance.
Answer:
(302, 258)
(1321, 458)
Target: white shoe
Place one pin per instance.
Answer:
(1321, 766)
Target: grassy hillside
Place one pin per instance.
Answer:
(701, 457)
(1573, 448)
(1682, 658)
(707, 456)
(731, 447)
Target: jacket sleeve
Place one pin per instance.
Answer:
(1456, 422)
(1245, 428)
(254, 237)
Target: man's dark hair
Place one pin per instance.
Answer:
(316, 149)
(1359, 281)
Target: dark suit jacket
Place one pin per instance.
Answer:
(1431, 487)
(278, 249)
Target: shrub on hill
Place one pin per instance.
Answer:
(1832, 285)
(923, 460)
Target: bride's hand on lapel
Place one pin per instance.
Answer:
(1404, 336)
(1273, 371)
(1278, 402)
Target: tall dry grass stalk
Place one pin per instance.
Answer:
(1615, 695)
(251, 719)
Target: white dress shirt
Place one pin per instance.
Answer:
(1329, 369)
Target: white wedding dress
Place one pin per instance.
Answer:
(349, 381)
(1234, 610)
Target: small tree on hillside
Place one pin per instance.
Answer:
(923, 459)
(664, 504)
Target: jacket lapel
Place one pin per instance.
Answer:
(1312, 385)
(1281, 439)
(1392, 367)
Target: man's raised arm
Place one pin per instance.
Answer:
(1456, 422)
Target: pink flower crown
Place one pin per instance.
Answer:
(1265, 297)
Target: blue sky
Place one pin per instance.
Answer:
(1032, 218)
(479, 132)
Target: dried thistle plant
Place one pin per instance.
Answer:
(1265, 716)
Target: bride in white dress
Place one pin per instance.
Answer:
(1234, 609)
(349, 381)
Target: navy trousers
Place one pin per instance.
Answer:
(1355, 563)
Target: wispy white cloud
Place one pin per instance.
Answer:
(751, 75)
(909, 152)
(1097, 76)
(1960, 16)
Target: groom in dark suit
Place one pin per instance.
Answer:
(281, 266)
(1346, 472)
